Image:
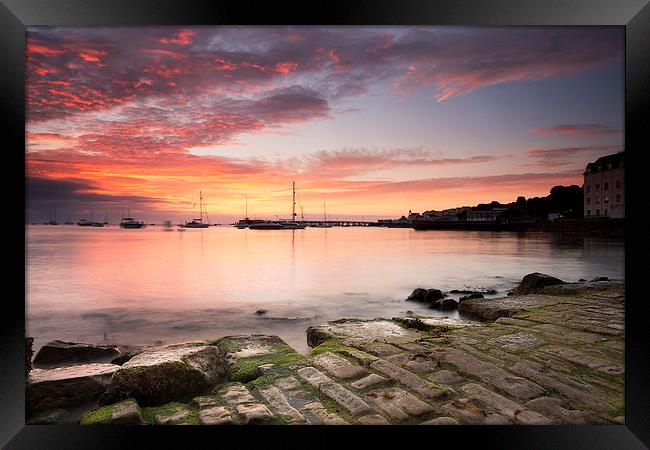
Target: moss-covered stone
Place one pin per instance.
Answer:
(172, 373)
(172, 413)
(126, 412)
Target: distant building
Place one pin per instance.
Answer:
(604, 187)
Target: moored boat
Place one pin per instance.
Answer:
(198, 223)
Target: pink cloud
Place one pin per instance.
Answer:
(586, 129)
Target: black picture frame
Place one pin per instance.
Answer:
(634, 15)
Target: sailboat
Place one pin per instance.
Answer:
(324, 223)
(69, 221)
(89, 223)
(198, 223)
(282, 224)
(52, 221)
(130, 222)
(246, 222)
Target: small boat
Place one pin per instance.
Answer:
(52, 220)
(198, 223)
(282, 224)
(130, 222)
(69, 221)
(89, 223)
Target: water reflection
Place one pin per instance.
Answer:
(139, 287)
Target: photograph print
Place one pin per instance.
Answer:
(329, 225)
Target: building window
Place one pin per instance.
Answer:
(598, 212)
(597, 200)
(606, 199)
(597, 187)
(588, 200)
(618, 184)
(588, 188)
(605, 213)
(589, 212)
(618, 198)
(605, 186)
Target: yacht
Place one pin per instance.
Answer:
(130, 222)
(281, 224)
(198, 223)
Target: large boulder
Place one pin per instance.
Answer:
(448, 303)
(429, 296)
(433, 297)
(534, 283)
(66, 386)
(358, 331)
(417, 295)
(57, 353)
(164, 374)
(471, 296)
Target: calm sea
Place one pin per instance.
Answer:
(154, 285)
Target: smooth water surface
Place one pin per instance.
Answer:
(155, 285)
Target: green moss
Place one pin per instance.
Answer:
(149, 413)
(96, 416)
(441, 387)
(247, 369)
(336, 346)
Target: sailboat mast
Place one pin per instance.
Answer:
(293, 206)
(246, 206)
(324, 215)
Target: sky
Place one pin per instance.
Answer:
(368, 121)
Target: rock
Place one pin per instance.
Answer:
(126, 412)
(417, 295)
(354, 405)
(28, 355)
(448, 303)
(534, 282)
(356, 331)
(517, 342)
(600, 279)
(508, 408)
(50, 417)
(160, 375)
(235, 394)
(255, 414)
(215, 415)
(174, 414)
(276, 399)
(320, 415)
(66, 386)
(61, 352)
(260, 312)
(460, 291)
(374, 419)
(366, 382)
(338, 366)
(470, 296)
(124, 357)
(441, 421)
(581, 280)
(408, 379)
(399, 404)
(551, 406)
(250, 356)
(433, 295)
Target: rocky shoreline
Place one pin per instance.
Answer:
(548, 353)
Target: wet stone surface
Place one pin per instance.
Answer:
(541, 358)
